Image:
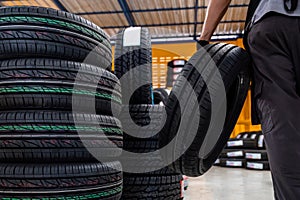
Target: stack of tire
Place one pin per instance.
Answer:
(247, 150)
(174, 69)
(47, 87)
(144, 178)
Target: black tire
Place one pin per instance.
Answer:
(41, 136)
(130, 57)
(233, 64)
(61, 181)
(45, 32)
(48, 84)
(31, 41)
(160, 95)
(258, 165)
(232, 163)
(150, 116)
(256, 155)
(48, 17)
(232, 153)
(242, 144)
(152, 186)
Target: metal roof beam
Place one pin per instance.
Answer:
(196, 19)
(154, 10)
(60, 5)
(173, 24)
(127, 12)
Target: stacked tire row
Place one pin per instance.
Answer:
(247, 150)
(142, 123)
(43, 77)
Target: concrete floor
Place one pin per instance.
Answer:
(231, 184)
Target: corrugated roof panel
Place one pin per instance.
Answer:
(153, 4)
(171, 31)
(81, 6)
(105, 20)
(164, 17)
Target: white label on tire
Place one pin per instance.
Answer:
(235, 143)
(178, 62)
(256, 156)
(235, 154)
(175, 77)
(261, 141)
(245, 136)
(255, 165)
(253, 136)
(234, 163)
(177, 69)
(217, 161)
(132, 36)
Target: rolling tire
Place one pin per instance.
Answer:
(47, 84)
(136, 58)
(69, 37)
(43, 136)
(61, 181)
(232, 163)
(258, 165)
(261, 155)
(160, 95)
(233, 63)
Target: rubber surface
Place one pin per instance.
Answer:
(43, 136)
(152, 186)
(61, 181)
(160, 184)
(48, 84)
(135, 62)
(160, 95)
(44, 32)
(233, 64)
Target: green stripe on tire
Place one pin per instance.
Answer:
(81, 197)
(41, 89)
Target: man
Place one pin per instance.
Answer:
(274, 44)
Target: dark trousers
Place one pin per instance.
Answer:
(275, 48)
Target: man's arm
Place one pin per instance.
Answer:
(216, 11)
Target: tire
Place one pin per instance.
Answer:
(159, 184)
(260, 155)
(242, 144)
(137, 59)
(149, 120)
(30, 41)
(232, 163)
(160, 95)
(48, 84)
(43, 136)
(61, 181)
(233, 64)
(45, 32)
(258, 165)
(152, 186)
(232, 153)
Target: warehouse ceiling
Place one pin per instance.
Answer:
(166, 19)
